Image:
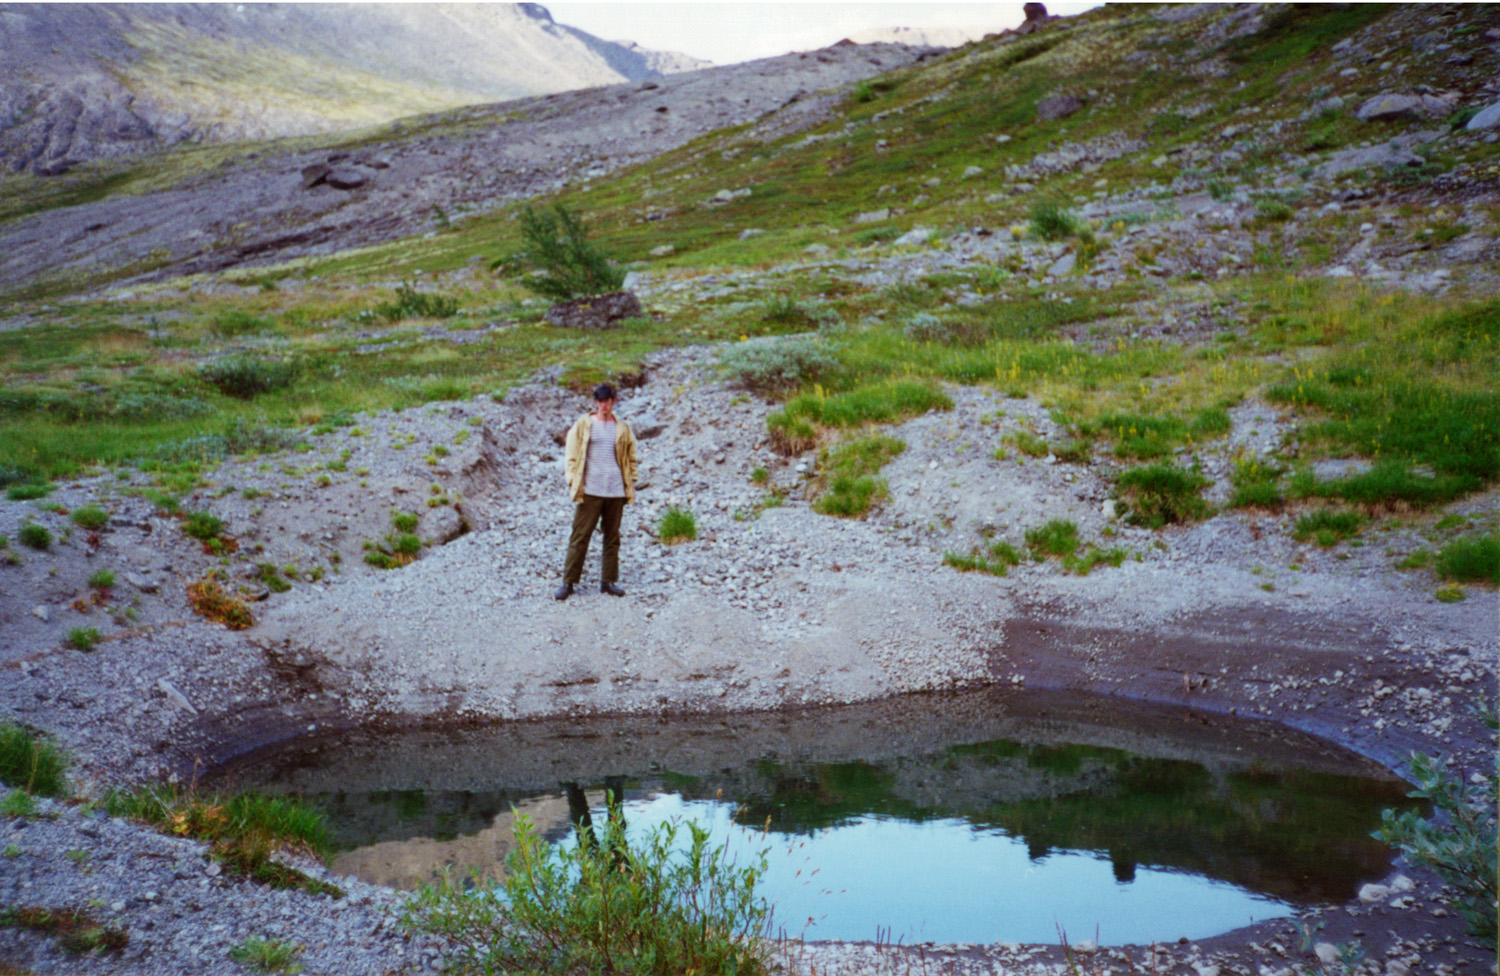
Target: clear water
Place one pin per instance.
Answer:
(948, 881)
(979, 818)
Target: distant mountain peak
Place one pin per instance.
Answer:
(85, 81)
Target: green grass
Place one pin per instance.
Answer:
(102, 579)
(876, 404)
(848, 483)
(1471, 559)
(31, 762)
(268, 955)
(1058, 537)
(1327, 528)
(1257, 484)
(83, 638)
(1161, 494)
(677, 525)
(77, 932)
(996, 559)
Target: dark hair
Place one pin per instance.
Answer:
(604, 392)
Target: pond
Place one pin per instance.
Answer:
(989, 816)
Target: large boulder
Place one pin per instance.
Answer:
(1057, 107)
(1391, 107)
(1487, 118)
(596, 312)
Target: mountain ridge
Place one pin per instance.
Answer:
(90, 81)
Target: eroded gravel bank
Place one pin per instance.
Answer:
(776, 608)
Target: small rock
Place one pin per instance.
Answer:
(41, 613)
(917, 235)
(1372, 893)
(174, 696)
(1327, 953)
(750, 232)
(663, 250)
(873, 216)
(973, 171)
(817, 250)
(144, 584)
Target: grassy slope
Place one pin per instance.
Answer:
(75, 384)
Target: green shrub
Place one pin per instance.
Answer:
(34, 536)
(1471, 559)
(1270, 208)
(245, 376)
(407, 544)
(83, 638)
(268, 955)
(90, 517)
(783, 310)
(202, 525)
(1051, 220)
(1327, 528)
(404, 521)
(1459, 841)
(652, 908)
(555, 242)
(848, 486)
(412, 304)
(677, 525)
(1161, 494)
(31, 763)
(102, 579)
(28, 491)
(776, 366)
(1058, 537)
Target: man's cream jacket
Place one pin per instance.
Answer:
(578, 450)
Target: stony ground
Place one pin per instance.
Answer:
(772, 606)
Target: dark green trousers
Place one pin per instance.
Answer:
(590, 512)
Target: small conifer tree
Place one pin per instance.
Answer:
(555, 242)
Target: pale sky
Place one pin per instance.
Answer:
(726, 33)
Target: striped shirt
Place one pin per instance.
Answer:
(601, 471)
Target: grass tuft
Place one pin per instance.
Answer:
(1162, 494)
(1471, 559)
(848, 483)
(31, 762)
(677, 525)
(1328, 528)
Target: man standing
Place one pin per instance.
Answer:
(601, 477)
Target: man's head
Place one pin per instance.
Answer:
(604, 401)
(603, 392)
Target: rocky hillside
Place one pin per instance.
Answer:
(84, 81)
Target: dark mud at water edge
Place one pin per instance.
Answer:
(986, 816)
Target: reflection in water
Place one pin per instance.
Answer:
(978, 838)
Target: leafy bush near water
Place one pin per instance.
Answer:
(651, 908)
(1459, 843)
